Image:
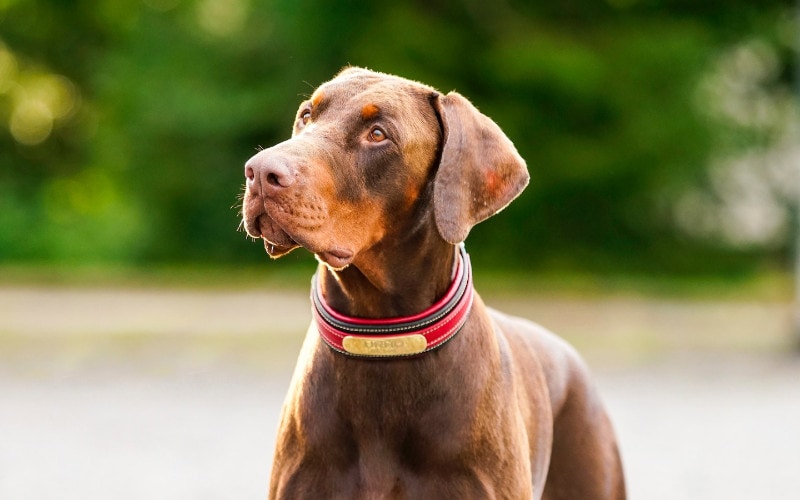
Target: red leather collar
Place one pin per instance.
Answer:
(402, 336)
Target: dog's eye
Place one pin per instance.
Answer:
(305, 117)
(377, 135)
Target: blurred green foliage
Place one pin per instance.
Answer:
(124, 124)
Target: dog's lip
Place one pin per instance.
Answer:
(277, 241)
(277, 250)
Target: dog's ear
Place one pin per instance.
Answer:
(480, 171)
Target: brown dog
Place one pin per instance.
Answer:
(407, 385)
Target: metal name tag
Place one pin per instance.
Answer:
(393, 346)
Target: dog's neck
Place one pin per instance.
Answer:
(391, 282)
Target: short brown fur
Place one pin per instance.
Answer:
(370, 111)
(505, 409)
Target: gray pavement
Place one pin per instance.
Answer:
(153, 394)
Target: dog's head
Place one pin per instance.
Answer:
(373, 157)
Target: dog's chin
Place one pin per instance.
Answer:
(336, 258)
(278, 242)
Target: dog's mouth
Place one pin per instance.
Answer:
(275, 250)
(278, 242)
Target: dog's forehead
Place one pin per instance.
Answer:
(369, 90)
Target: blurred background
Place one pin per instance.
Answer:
(146, 343)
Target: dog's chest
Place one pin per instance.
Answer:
(402, 411)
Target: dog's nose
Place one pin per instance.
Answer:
(268, 173)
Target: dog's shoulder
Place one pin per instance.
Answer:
(563, 368)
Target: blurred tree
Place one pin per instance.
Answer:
(124, 124)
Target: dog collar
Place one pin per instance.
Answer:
(402, 336)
